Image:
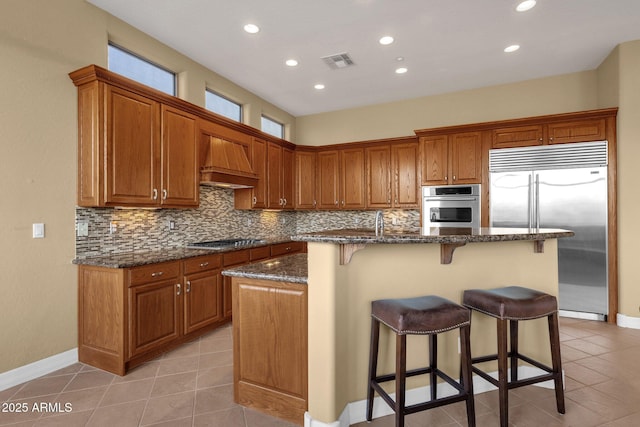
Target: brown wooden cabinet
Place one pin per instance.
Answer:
(270, 347)
(392, 180)
(133, 150)
(340, 182)
(560, 132)
(305, 179)
(280, 164)
(202, 292)
(451, 159)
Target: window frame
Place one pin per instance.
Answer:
(282, 126)
(225, 98)
(116, 46)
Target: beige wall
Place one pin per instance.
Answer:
(629, 177)
(558, 94)
(41, 41)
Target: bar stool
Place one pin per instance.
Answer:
(427, 315)
(512, 304)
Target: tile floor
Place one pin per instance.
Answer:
(192, 386)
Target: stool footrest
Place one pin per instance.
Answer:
(524, 358)
(411, 373)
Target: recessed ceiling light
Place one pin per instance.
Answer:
(291, 62)
(319, 86)
(525, 5)
(401, 70)
(251, 28)
(512, 48)
(400, 59)
(386, 40)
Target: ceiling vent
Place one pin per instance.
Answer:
(338, 61)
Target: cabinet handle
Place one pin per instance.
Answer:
(255, 200)
(204, 264)
(540, 139)
(188, 286)
(179, 289)
(280, 202)
(155, 194)
(336, 203)
(551, 139)
(164, 194)
(396, 201)
(445, 178)
(157, 274)
(314, 203)
(454, 177)
(343, 203)
(284, 202)
(288, 248)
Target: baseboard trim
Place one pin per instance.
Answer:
(37, 369)
(628, 321)
(355, 412)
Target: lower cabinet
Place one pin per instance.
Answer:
(270, 347)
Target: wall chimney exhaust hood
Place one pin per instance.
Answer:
(226, 164)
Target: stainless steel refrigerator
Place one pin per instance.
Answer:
(559, 186)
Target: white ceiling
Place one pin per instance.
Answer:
(447, 45)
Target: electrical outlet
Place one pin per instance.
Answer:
(113, 227)
(394, 220)
(172, 225)
(82, 229)
(249, 222)
(38, 231)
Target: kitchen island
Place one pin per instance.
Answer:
(347, 269)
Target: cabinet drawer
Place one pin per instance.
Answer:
(235, 257)
(154, 273)
(287, 248)
(259, 253)
(202, 263)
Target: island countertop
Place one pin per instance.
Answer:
(435, 235)
(290, 268)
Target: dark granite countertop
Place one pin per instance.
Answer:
(435, 235)
(289, 268)
(136, 259)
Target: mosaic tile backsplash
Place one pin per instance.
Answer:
(114, 230)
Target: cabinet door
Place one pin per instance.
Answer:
(519, 136)
(328, 179)
(576, 131)
(352, 177)
(274, 175)
(259, 165)
(466, 158)
(405, 175)
(132, 149)
(435, 160)
(287, 177)
(227, 301)
(203, 300)
(154, 316)
(379, 177)
(305, 180)
(179, 158)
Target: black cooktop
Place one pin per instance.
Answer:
(225, 243)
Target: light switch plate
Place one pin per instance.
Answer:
(38, 231)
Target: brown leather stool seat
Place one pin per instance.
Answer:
(427, 315)
(513, 304)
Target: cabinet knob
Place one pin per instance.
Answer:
(446, 178)
(314, 203)
(255, 200)
(157, 274)
(540, 139)
(454, 177)
(336, 203)
(550, 139)
(178, 289)
(204, 264)
(343, 203)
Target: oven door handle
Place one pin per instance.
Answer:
(450, 199)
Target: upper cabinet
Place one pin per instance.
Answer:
(280, 177)
(392, 176)
(560, 132)
(305, 179)
(134, 151)
(340, 181)
(451, 159)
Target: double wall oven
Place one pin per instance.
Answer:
(450, 206)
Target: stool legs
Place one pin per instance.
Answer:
(433, 362)
(466, 372)
(373, 365)
(401, 378)
(503, 385)
(556, 360)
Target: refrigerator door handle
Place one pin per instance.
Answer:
(537, 200)
(531, 201)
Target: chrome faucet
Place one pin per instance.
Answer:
(379, 223)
